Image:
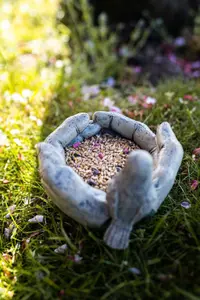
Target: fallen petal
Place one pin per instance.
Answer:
(133, 99)
(61, 249)
(76, 145)
(186, 204)
(196, 151)
(150, 100)
(5, 181)
(194, 184)
(100, 155)
(77, 258)
(137, 69)
(116, 109)
(111, 82)
(11, 210)
(126, 151)
(26, 93)
(89, 91)
(180, 100)
(3, 139)
(17, 141)
(188, 97)
(134, 271)
(107, 102)
(8, 231)
(179, 41)
(36, 219)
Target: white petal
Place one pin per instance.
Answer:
(3, 139)
(11, 210)
(27, 93)
(150, 100)
(61, 249)
(77, 258)
(108, 102)
(36, 219)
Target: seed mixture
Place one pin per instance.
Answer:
(99, 158)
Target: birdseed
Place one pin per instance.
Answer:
(99, 158)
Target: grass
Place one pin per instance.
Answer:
(165, 248)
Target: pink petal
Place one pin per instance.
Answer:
(188, 97)
(194, 184)
(145, 105)
(126, 151)
(196, 151)
(133, 99)
(76, 145)
(137, 69)
(116, 109)
(100, 155)
(75, 258)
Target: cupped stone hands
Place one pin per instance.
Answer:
(136, 191)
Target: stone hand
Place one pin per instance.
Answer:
(147, 178)
(65, 187)
(136, 191)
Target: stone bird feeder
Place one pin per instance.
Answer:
(136, 191)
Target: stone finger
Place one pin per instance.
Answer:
(68, 130)
(170, 155)
(131, 196)
(128, 128)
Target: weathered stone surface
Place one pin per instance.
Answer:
(128, 128)
(170, 155)
(90, 130)
(139, 189)
(131, 196)
(69, 129)
(68, 191)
